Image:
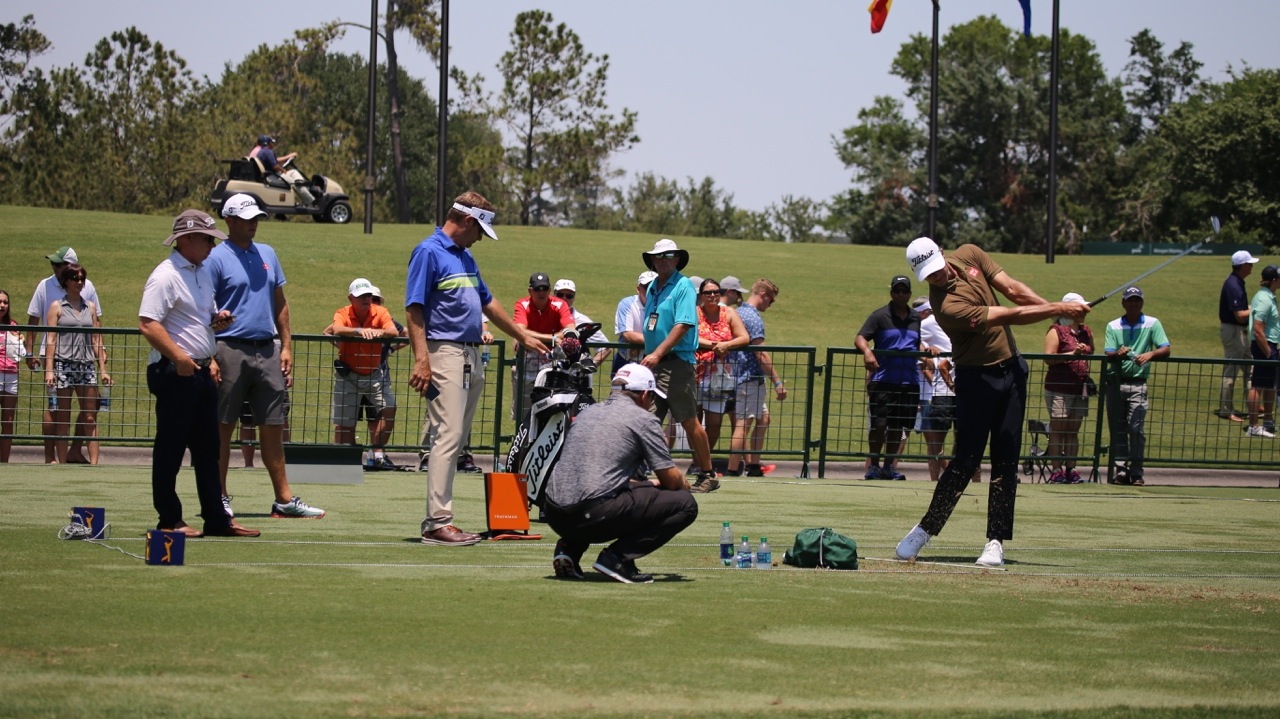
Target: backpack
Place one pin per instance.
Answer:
(823, 548)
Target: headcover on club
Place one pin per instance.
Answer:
(571, 346)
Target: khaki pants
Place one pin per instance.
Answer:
(1235, 346)
(450, 416)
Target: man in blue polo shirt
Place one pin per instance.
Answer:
(444, 300)
(892, 390)
(248, 282)
(670, 340)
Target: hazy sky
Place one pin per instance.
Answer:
(747, 92)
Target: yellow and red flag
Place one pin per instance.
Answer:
(879, 10)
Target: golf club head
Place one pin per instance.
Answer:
(1216, 224)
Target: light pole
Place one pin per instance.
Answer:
(443, 122)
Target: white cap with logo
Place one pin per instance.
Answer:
(360, 287)
(637, 378)
(924, 257)
(1242, 258)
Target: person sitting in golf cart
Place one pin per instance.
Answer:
(265, 153)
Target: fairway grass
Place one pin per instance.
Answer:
(1153, 601)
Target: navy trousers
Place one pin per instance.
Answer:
(186, 418)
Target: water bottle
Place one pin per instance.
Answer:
(484, 356)
(104, 399)
(764, 555)
(726, 545)
(53, 398)
(745, 556)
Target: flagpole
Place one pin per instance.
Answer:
(442, 136)
(1051, 240)
(932, 228)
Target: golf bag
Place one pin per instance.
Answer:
(561, 390)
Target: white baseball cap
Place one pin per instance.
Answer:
(924, 257)
(646, 277)
(1073, 297)
(360, 287)
(563, 284)
(637, 378)
(242, 206)
(1242, 258)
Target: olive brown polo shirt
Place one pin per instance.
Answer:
(963, 305)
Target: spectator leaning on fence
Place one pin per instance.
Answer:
(1234, 331)
(628, 322)
(893, 390)
(1265, 333)
(545, 318)
(1132, 341)
(720, 332)
(1066, 392)
(753, 370)
(48, 291)
(177, 318)
(566, 291)
(12, 350)
(357, 374)
(991, 382)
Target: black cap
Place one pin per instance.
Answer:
(1270, 272)
(539, 279)
(900, 280)
(1133, 291)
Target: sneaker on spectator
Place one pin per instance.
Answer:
(1073, 477)
(1057, 477)
(705, 483)
(888, 472)
(873, 472)
(226, 506)
(1257, 430)
(466, 463)
(295, 509)
(755, 470)
(610, 565)
(423, 458)
(911, 544)
(1269, 425)
(992, 554)
(380, 464)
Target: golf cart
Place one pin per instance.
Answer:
(277, 197)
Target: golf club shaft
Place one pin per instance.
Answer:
(1153, 270)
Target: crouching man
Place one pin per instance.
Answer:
(590, 496)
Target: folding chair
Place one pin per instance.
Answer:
(1036, 466)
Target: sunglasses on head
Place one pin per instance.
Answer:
(565, 295)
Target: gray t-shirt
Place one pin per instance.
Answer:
(604, 448)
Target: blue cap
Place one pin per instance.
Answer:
(1134, 291)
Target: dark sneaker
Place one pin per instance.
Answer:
(705, 483)
(295, 509)
(232, 530)
(423, 457)
(1073, 477)
(467, 464)
(450, 536)
(381, 464)
(1137, 481)
(873, 472)
(626, 572)
(565, 563)
(1057, 477)
(755, 470)
(889, 472)
(1120, 476)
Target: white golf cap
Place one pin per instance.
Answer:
(1242, 258)
(1073, 297)
(924, 257)
(360, 287)
(646, 277)
(563, 284)
(637, 378)
(485, 218)
(242, 206)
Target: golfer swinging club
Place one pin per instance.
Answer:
(991, 382)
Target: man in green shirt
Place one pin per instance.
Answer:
(1264, 330)
(1132, 342)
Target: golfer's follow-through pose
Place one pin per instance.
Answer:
(991, 382)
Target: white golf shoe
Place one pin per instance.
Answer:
(911, 544)
(992, 554)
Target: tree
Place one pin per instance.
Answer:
(553, 104)
(1153, 81)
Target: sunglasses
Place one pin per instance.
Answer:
(710, 293)
(565, 295)
(76, 278)
(901, 290)
(543, 288)
(668, 255)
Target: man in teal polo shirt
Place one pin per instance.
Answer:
(670, 340)
(1132, 342)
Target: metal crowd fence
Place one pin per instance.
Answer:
(824, 416)
(1181, 426)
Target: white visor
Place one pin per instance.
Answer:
(484, 217)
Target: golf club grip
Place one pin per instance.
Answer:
(1100, 300)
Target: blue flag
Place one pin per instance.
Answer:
(1026, 17)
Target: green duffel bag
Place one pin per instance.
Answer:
(824, 548)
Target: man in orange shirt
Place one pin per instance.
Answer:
(545, 317)
(357, 372)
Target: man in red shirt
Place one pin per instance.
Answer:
(545, 317)
(357, 370)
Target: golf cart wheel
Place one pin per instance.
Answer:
(338, 213)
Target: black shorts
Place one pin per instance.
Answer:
(893, 406)
(1264, 376)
